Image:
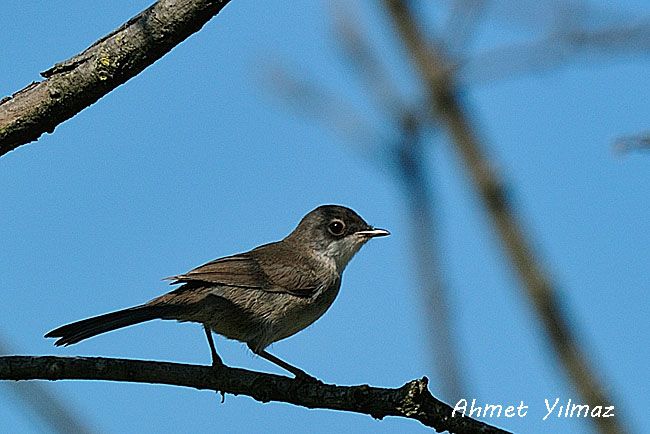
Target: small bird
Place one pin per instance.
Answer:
(257, 297)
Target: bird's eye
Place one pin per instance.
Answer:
(336, 227)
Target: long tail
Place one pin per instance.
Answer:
(86, 328)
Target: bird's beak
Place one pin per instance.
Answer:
(373, 233)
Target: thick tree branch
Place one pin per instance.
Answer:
(413, 400)
(447, 107)
(73, 85)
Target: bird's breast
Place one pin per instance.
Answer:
(296, 314)
(260, 317)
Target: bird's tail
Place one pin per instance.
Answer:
(86, 328)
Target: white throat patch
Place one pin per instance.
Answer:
(339, 253)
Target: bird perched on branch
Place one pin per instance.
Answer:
(257, 297)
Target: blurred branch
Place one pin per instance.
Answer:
(413, 175)
(78, 82)
(633, 143)
(554, 51)
(552, 16)
(53, 412)
(405, 156)
(460, 29)
(446, 106)
(413, 400)
(363, 59)
(332, 111)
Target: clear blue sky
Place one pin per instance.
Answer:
(195, 159)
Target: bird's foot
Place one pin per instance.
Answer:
(217, 366)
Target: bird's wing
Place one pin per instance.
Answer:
(238, 270)
(255, 270)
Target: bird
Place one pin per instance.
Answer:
(257, 297)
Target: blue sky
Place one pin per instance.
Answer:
(195, 159)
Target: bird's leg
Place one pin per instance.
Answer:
(216, 360)
(299, 373)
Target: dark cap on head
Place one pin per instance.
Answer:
(335, 222)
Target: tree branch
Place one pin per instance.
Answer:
(553, 51)
(78, 82)
(464, 19)
(632, 143)
(448, 108)
(413, 400)
(406, 157)
(332, 110)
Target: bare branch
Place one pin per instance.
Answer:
(555, 51)
(366, 62)
(78, 82)
(464, 18)
(447, 106)
(413, 400)
(413, 175)
(554, 16)
(633, 143)
(308, 97)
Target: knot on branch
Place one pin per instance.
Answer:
(415, 394)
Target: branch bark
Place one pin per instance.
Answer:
(78, 82)
(413, 400)
(447, 108)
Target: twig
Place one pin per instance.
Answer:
(447, 106)
(413, 400)
(462, 23)
(554, 51)
(78, 82)
(406, 158)
(332, 110)
(632, 143)
(366, 62)
(414, 176)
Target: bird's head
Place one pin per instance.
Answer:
(334, 234)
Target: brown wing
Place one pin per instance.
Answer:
(238, 270)
(273, 267)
